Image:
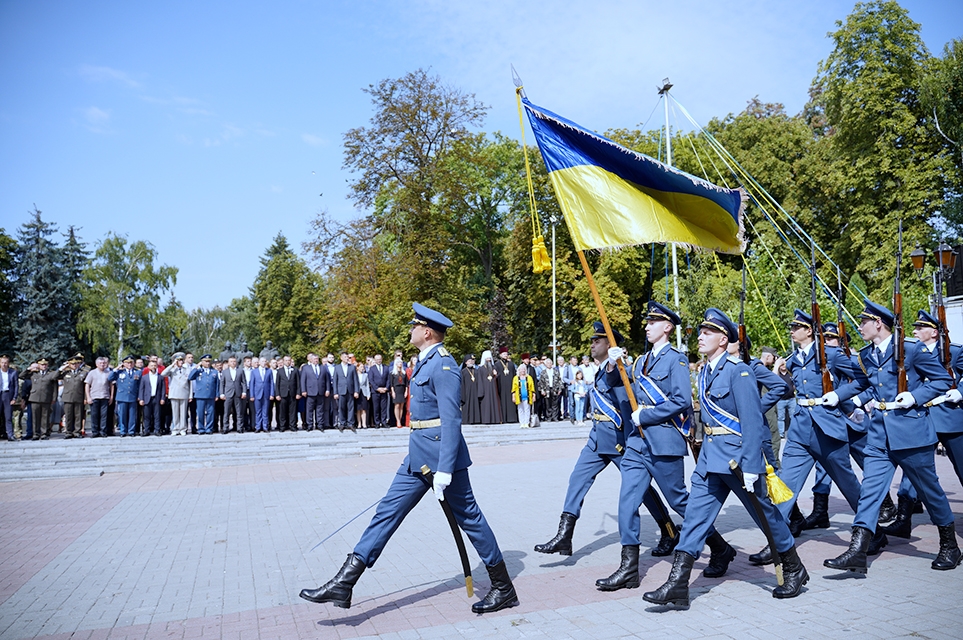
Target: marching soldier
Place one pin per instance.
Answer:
(664, 415)
(735, 430)
(900, 434)
(818, 431)
(43, 392)
(606, 444)
(74, 375)
(946, 414)
(436, 442)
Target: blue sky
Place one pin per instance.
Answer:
(208, 127)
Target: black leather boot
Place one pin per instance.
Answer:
(797, 521)
(337, 590)
(819, 518)
(877, 543)
(887, 510)
(949, 555)
(667, 542)
(501, 595)
(762, 558)
(721, 554)
(676, 588)
(562, 542)
(627, 575)
(902, 526)
(794, 575)
(854, 558)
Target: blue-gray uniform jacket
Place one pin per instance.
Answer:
(947, 417)
(776, 386)
(926, 379)
(808, 381)
(734, 389)
(206, 383)
(128, 384)
(435, 391)
(606, 438)
(669, 370)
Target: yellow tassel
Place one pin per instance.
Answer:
(543, 253)
(778, 491)
(536, 258)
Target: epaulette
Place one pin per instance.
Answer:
(443, 351)
(908, 339)
(732, 358)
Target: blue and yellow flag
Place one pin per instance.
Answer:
(614, 197)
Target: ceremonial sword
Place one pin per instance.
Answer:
(763, 523)
(459, 541)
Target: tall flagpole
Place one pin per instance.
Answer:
(664, 92)
(554, 221)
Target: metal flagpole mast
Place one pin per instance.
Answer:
(553, 220)
(664, 92)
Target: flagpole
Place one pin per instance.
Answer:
(554, 221)
(608, 331)
(664, 92)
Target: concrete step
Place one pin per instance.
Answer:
(60, 458)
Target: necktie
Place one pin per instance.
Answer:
(879, 355)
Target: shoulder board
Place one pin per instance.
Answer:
(734, 359)
(443, 351)
(958, 346)
(673, 348)
(908, 339)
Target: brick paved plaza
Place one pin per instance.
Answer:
(222, 552)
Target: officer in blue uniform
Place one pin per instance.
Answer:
(735, 430)
(128, 386)
(655, 447)
(818, 431)
(435, 441)
(206, 382)
(606, 444)
(946, 414)
(900, 434)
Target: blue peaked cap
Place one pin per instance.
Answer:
(718, 321)
(661, 312)
(430, 318)
(873, 311)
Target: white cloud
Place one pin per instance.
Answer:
(107, 74)
(98, 120)
(313, 140)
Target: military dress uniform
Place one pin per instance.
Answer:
(947, 418)
(74, 397)
(206, 385)
(735, 431)
(128, 387)
(605, 445)
(903, 437)
(656, 450)
(435, 442)
(43, 392)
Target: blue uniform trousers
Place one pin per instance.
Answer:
(953, 443)
(127, 417)
(706, 497)
(798, 459)
(205, 415)
(638, 471)
(261, 422)
(857, 450)
(919, 465)
(589, 464)
(405, 492)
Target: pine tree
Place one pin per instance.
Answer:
(74, 259)
(8, 311)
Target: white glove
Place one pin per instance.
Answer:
(831, 399)
(954, 395)
(905, 400)
(615, 353)
(857, 401)
(749, 479)
(442, 480)
(869, 406)
(858, 416)
(637, 417)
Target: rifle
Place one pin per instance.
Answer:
(818, 328)
(944, 334)
(840, 316)
(743, 340)
(899, 349)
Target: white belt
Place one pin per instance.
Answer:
(887, 406)
(935, 401)
(425, 424)
(809, 402)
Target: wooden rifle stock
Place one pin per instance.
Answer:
(820, 337)
(945, 342)
(840, 316)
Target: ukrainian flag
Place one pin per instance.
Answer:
(613, 197)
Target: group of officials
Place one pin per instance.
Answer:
(643, 423)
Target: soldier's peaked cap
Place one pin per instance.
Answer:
(873, 311)
(599, 332)
(924, 319)
(801, 319)
(718, 321)
(430, 318)
(658, 311)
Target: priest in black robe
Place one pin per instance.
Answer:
(506, 373)
(470, 404)
(487, 376)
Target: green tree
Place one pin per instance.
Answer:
(240, 324)
(943, 97)
(121, 306)
(286, 294)
(74, 259)
(8, 309)
(43, 293)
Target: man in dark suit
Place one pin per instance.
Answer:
(378, 376)
(234, 395)
(153, 394)
(8, 394)
(330, 408)
(288, 392)
(344, 388)
(315, 386)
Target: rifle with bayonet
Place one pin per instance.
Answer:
(840, 315)
(899, 349)
(819, 335)
(944, 334)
